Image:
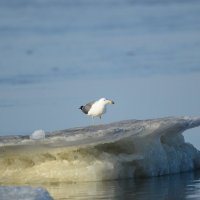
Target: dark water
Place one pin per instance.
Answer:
(174, 187)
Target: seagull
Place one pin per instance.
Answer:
(96, 108)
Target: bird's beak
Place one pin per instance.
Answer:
(110, 102)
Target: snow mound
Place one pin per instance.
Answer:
(38, 135)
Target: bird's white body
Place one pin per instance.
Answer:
(99, 107)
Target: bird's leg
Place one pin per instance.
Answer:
(93, 121)
(100, 116)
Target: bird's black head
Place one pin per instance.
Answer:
(81, 107)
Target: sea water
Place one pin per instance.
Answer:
(176, 187)
(58, 55)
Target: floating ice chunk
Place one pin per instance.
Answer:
(126, 149)
(25, 193)
(38, 135)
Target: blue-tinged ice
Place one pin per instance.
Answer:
(24, 193)
(125, 149)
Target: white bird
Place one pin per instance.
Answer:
(96, 108)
